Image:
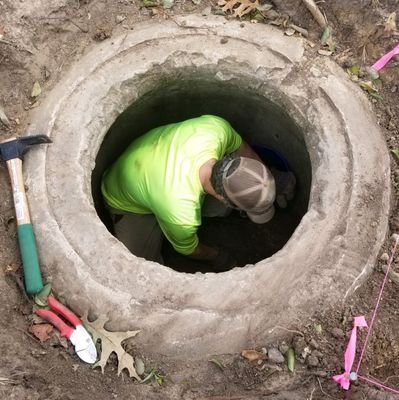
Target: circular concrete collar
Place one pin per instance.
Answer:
(329, 255)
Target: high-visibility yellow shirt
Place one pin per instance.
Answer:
(159, 174)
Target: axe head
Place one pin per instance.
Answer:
(17, 147)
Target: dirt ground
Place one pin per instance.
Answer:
(39, 40)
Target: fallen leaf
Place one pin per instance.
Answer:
(393, 276)
(324, 52)
(373, 74)
(42, 331)
(253, 355)
(327, 39)
(217, 363)
(354, 69)
(156, 375)
(291, 359)
(318, 329)
(167, 4)
(370, 88)
(289, 32)
(139, 363)
(111, 342)
(395, 152)
(325, 36)
(11, 268)
(41, 298)
(265, 7)
(3, 118)
(239, 8)
(150, 3)
(36, 90)
(390, 24)
(258, 17)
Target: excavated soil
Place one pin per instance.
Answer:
(39, 41)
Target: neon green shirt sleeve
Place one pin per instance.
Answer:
(183, 238)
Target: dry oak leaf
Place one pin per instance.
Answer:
(244, 6)
(253, 355)
(111, 342)
(42, 331)
(390, 24)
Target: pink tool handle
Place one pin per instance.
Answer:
(49, 316)
(386, 58)
(64, 311)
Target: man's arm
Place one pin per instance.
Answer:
(204, 253)
(246, 151)
(219, 259)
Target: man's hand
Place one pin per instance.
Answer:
(223, 262)
(218, 259)
(285, 186)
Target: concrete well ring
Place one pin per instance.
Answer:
(331, 252)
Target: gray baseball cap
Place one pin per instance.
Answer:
(251, 187)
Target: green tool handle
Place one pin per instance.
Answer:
(26, 237)
(30, 259)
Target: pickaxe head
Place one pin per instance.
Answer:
(17, 147)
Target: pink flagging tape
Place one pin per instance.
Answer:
(350, 353)
(385, 58)
(376, 382)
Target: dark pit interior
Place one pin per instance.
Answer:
(258, 120)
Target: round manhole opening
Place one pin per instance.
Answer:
(262, 123)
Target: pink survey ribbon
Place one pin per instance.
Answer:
(386, 58)
(350, 353)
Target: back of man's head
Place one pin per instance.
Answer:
(246, 184)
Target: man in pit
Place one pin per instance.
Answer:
(172, 176)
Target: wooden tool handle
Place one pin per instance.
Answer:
(18, 189)
(26, 237)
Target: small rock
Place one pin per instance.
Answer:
(120, 18)
(154, 11)
(321, 374)
(224, 40)
(394, 89)
(206, 11)
(338, 333)
(275, 356)
(299, 345)
(394, 236)
(373, 224)
(384, 257)
(317, 354)
(3, 118)
(283, 348)
(314, 344)
(324, 52)
(391, 125)
(312, 361)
